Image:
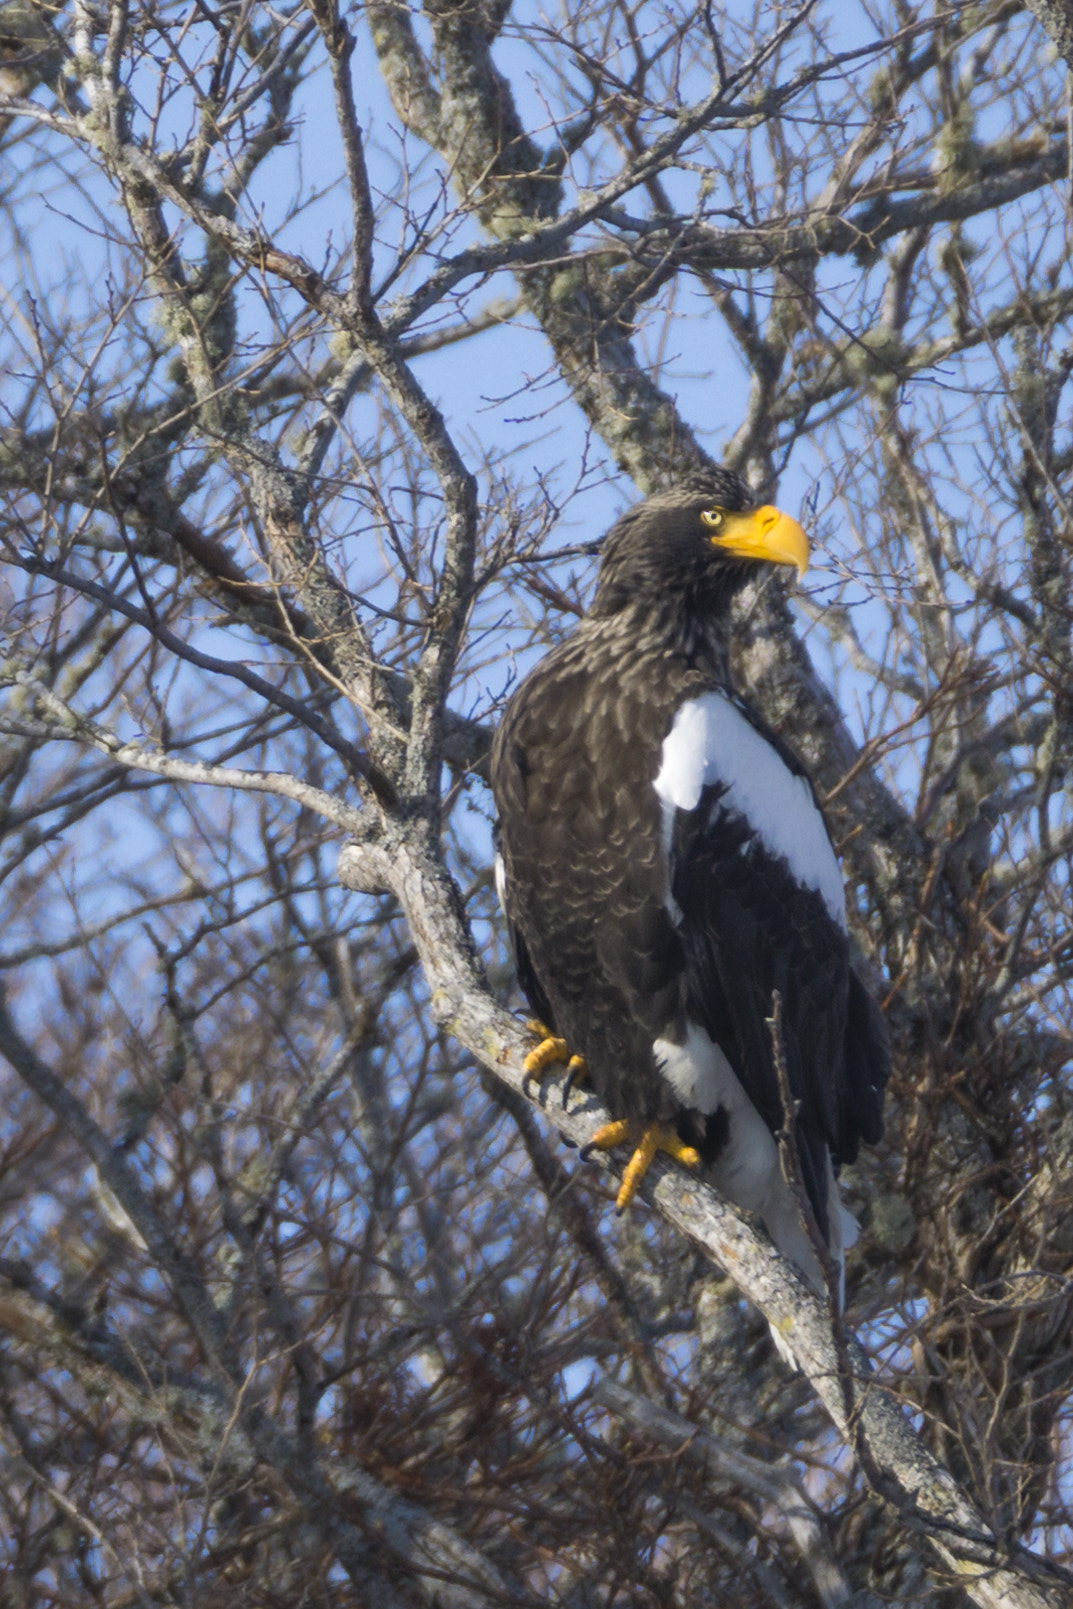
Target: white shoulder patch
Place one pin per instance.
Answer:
(712, 741)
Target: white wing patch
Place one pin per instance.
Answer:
(712, 742)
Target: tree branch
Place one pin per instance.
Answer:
(921, 1492)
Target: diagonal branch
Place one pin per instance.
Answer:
(58, 720)
(922, 1493)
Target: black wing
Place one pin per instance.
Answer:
(749, 929)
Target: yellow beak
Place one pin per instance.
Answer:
(764, 533)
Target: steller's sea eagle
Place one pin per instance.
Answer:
(665, 868)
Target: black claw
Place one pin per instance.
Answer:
(568, 1084)
(585, 1152)
(533, 1089)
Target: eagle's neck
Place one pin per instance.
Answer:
(671, 627)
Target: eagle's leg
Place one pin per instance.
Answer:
(552, 1049)
(656, 1137)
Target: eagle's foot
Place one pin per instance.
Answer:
(575, 1072)
(656, 1137)
(551, 1049)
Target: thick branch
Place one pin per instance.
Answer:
(1056, 17)
(893, 1457)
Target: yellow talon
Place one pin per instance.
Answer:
(656, 1137)
(606, 1138)
(552, 1049)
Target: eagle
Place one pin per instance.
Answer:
(666, 872)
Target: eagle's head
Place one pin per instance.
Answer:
(696, 545)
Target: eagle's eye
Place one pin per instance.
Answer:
(712, 518)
